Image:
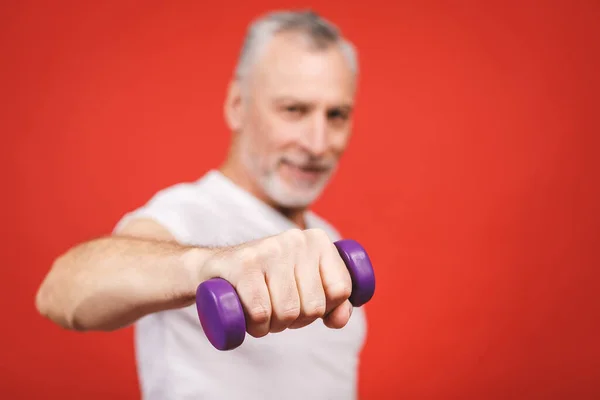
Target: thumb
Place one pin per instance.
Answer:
(339, 316)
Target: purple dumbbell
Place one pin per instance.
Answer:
(221, 314)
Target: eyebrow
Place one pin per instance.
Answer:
(289, 99)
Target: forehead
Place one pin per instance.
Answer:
(290, 66)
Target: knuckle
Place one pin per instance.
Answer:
(247, 272)
(269, 247)
(290, 306)
(318, 235)
(290, 313)
(258, 305)
(249, 257)
(295, 236)
(340, 291)
(259, 314)
(315, 309)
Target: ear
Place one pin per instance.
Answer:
(233, 106)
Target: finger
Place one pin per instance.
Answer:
(336, 279)
(310, 288)
(285, 300)
(255, 299)
(339, 316)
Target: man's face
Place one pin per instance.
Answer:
(296, 119)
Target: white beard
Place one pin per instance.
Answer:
(282, 194)
(280, 191)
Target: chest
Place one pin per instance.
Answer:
(224, 224)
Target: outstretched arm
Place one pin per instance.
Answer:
(283, 281)
(110, 282)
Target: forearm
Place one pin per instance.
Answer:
(109, 283)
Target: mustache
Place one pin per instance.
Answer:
(309, 163)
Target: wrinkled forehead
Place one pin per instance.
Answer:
(291, 67)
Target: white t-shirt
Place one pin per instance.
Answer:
(175, 361)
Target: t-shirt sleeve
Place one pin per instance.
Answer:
(167, 209)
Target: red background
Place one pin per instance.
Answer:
(472, 179)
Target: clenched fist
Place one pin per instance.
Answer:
(286, 281)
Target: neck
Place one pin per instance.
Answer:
(237, 174)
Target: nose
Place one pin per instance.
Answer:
(315, 139)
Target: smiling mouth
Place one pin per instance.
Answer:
(309, 169)
(306, 175)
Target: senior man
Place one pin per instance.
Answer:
(289, 109)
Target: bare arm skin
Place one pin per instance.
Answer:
(110, 282)
(284, 281)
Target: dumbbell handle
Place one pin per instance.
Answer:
(222, 316)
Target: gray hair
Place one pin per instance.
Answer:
(320, 32)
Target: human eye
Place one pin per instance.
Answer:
(338, 114)
(294, 110)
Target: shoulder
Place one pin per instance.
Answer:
(176, 208)
(198, 191)
(317, 221)
(177, 195)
